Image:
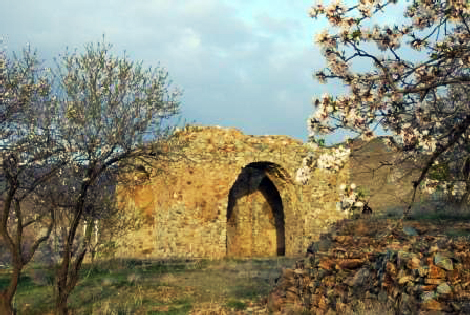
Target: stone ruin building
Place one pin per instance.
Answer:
(235, 196)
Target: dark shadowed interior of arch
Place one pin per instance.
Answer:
(255, 214)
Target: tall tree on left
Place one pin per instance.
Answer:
(30, 156)
(105, 112)
(112, 110)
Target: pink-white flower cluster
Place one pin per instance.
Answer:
(456, 189)
(424, 102)
(330, 161)
(349, 199)
(334, 160)
(304, 172)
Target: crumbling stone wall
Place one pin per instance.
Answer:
(234, 195)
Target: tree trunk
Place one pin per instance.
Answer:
(5, 303)
(65, 284)
(67, 278)
(61, 307)
(67, 275)
(62, 280)
(6, 296)
(463, 202)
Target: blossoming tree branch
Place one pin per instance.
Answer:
(416, 85)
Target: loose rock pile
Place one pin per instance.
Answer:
(400, 267)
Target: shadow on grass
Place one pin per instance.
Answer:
(98, 283)
(127, 287)
(440, 217)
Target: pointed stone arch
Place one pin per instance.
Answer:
(255, 212)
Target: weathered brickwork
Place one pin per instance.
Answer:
(235, 197)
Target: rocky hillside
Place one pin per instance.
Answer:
(380, 266)
(388, 189)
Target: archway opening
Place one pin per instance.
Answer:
(255, 214)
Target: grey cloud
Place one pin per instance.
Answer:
(254, 75)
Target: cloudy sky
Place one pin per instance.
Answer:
(246, 64)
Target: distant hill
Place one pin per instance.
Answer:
(390, 191)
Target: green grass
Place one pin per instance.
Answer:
(456, 233)
(25, 283)
(440, 217)
(238, 305)
(4, 281)
(87, 295)
(247, 293)
(92, 296)
(259, 262)
(39, 299)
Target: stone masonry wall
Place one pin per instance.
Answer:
(235, 196)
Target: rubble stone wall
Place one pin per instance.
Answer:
(234, 195)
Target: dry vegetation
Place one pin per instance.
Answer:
(226, 286)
